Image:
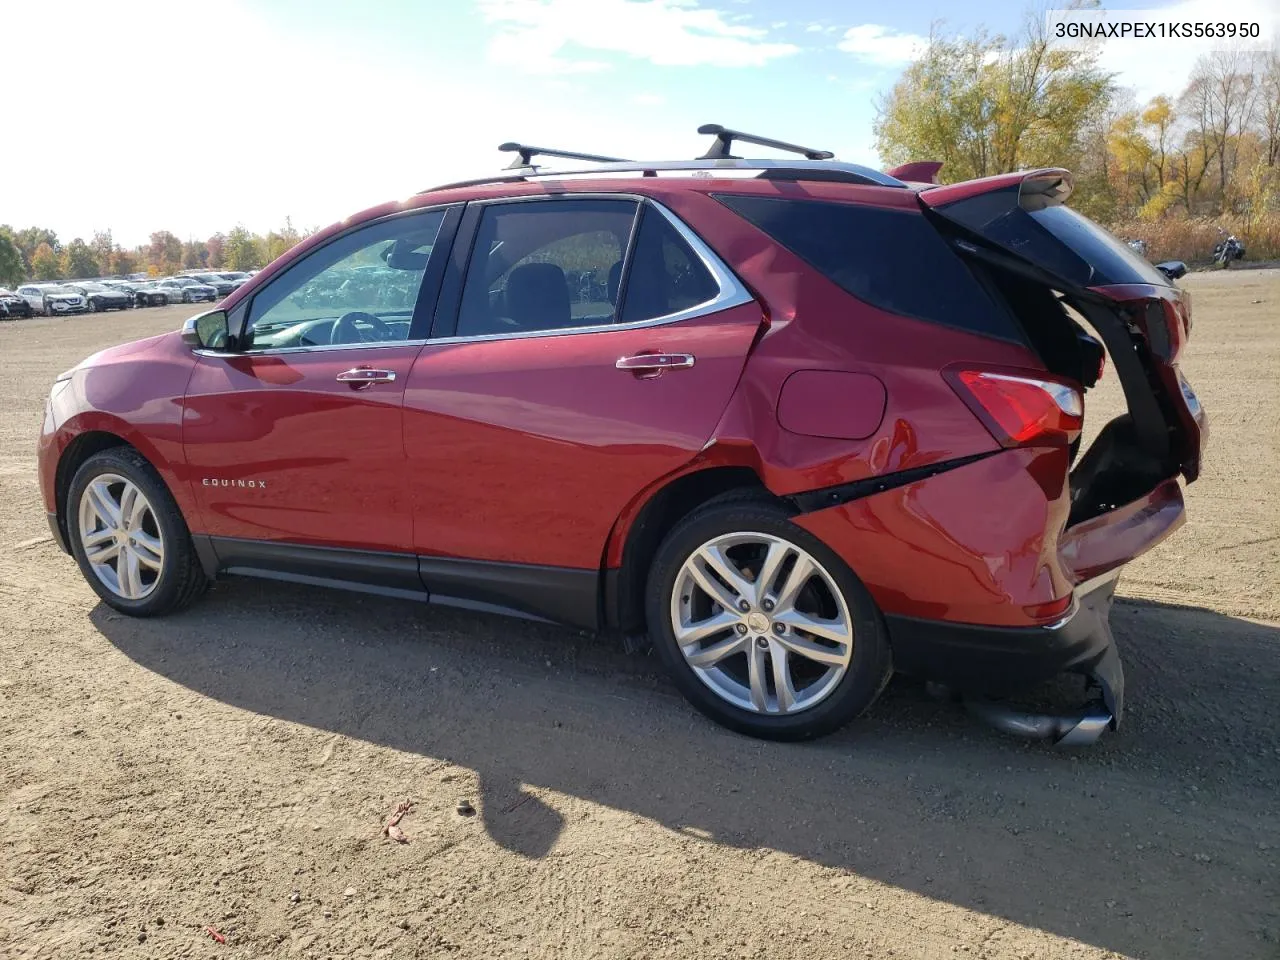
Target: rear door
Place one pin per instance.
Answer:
(1019, 222)
(594, 345)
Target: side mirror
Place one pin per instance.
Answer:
(208, 331)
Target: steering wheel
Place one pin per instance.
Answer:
(346, 331)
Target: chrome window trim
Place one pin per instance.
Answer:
(311, 348)
(733, 293)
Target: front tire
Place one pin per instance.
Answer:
(761, 625)
(129, 537)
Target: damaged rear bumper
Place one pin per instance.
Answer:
(980, 661)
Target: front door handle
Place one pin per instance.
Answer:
(359, 377)
(655, 362)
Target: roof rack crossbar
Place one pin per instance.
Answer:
(525, 155)
(723, 145)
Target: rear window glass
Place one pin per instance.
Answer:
(891, 259)
(1112, 260)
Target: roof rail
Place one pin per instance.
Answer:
(794, 170)
(720, 149)
(525, 155)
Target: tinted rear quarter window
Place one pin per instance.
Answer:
(892, 259)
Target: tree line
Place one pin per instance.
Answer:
(1170, 170)
(36, 253)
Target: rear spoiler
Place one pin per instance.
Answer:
(1030, 189)
(918, 171)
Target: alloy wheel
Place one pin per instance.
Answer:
(122, 540)
(762, 623)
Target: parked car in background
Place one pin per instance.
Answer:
(12, 305)
(236, 275)
(186, 290)
(33, 293)
(56, 300)
(218, 282)
(101, 297)
(146, 293)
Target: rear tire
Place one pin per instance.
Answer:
(164, 573)
(741, 690)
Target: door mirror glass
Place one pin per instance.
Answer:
(207, 331)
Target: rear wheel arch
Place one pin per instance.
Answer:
(624, 591)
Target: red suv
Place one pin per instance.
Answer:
(801, 422)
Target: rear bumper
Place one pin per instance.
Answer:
(979, 659)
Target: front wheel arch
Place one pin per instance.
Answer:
(78, 451)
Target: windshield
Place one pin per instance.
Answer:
(67, 291)
(95, 287)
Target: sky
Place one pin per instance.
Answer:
(142, 115)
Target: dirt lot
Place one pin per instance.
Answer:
(231, 767)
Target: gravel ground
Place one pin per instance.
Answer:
(231, 767)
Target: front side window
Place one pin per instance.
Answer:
(545, 265)
(361, 288)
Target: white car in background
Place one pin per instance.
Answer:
(56, 300)
(33, 293)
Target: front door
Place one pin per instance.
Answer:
(297, 438)
(568, 383)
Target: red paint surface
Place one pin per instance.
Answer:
(541, 451)
(1096, 546)
(527, 450)
(332, 457)
(832, 404)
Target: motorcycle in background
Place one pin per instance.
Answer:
(1229, 248)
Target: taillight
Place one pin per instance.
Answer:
(1024, 411)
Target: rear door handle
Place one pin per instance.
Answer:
(363, 376)
(653, 362)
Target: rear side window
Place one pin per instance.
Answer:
(666, 276)
(891, 259)
(545, 265)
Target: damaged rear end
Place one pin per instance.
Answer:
(1084, 302)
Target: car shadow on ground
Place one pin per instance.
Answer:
(1107, 845)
